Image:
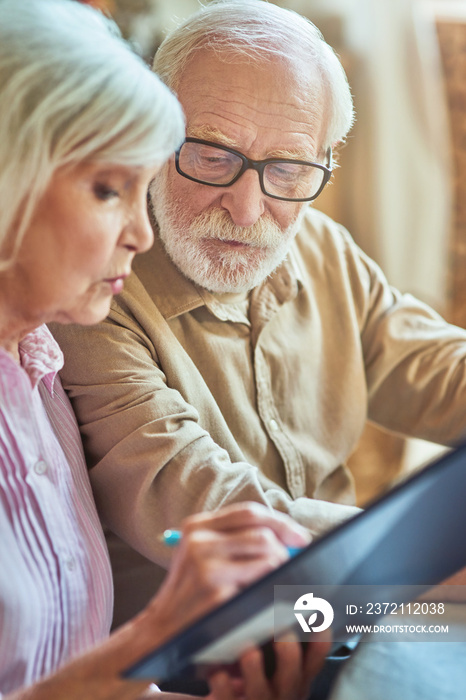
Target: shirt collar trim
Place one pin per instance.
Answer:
(41, 357)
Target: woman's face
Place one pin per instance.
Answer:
(78, 249)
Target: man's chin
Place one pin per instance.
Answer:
(225, 284)
(241, 279)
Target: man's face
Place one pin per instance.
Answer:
(230, 239)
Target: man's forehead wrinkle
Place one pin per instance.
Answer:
(255, 114)
(262, 106)
(225, 118)
(245, 95)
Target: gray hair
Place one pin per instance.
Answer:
(71, 90)
(254, 30)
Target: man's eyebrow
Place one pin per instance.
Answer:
(291, 154)
(209, 133)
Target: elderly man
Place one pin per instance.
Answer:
(252, 342)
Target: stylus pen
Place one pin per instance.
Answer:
(171, 538)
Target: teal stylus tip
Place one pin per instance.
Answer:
(171, 538)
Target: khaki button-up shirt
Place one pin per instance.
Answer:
(189, 400)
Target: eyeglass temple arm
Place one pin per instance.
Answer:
(329, 158)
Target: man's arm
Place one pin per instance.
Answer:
(414, 362)
(151, 461)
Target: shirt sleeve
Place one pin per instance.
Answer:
(151, 463)
(415, 362)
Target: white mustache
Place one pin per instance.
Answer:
(217, 224)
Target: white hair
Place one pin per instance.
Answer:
(255, 30)
(71, 90)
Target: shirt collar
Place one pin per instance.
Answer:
(171, 291)
(41, 357)
(286, 280)
(227, 307)
(293, 264)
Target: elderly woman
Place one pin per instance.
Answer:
(84, 126)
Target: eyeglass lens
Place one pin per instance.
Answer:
(281, 178)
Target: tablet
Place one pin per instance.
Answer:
(403, 543)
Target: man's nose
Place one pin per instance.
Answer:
(244, 200)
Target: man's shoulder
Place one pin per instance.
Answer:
(319, 235)
(316, 223)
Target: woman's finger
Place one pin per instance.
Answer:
(314, 659)
(253, 672)
(250, 514)
(224, 688)
(288, 679)
(239, 544)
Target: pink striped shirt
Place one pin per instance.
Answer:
(56, 593)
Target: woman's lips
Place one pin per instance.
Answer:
(116, 283)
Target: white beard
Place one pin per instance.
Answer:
(195, 245)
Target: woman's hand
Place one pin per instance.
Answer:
(219, 554)
(294, 672)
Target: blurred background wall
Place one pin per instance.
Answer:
(401, 186)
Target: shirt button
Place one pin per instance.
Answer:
(273, 425)
(40, 467)
(70, 564)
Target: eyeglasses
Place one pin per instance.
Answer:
(218, 166)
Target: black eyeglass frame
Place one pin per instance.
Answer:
(258, 166)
